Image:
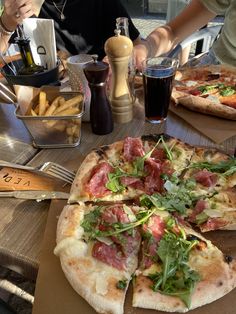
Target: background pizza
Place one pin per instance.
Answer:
(208, 89)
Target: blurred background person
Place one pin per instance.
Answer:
(197, 14)
(81, 26)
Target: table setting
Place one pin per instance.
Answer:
(66, 140)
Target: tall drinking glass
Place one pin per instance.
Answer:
(158, 74)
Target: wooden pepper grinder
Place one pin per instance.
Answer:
(119, 49)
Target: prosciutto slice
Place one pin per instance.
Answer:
(206, 178)
(99, 177)
(198, 209)
(109, 254)
(133, 148)
(153, 182)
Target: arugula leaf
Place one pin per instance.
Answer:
(204, 89)
(121, 284)
(91, 223)
(223, 89)
(227, 91)
(179, 197)
(201, 218)
(139, 161)
(167, 149)
(114, 184)
(91, 219)
(176, 277)
(224, 167)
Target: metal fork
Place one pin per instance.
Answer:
(58, 171)
(50, 168)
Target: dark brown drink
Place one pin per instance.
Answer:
(158, 77)
(157, 92)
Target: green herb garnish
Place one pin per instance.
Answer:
(178, 198)
(227, 91)
(224, 167)
(114, 184)
(121, 284)
(91, 219)
(139, 161)
(92, 231)
(176, 277)
(205, 89)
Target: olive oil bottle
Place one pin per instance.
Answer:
(29, 66)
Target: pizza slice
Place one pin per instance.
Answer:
(209, 90)
(212, 170)
(128, 168)
(180, 270)
(98, 248)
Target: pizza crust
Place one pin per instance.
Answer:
(104, 153)
(98, 289)
(207, 106)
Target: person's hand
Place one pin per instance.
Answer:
(15, 11)
(140, 54)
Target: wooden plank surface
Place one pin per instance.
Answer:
(15, 140)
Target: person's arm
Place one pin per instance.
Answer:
(15, 11)
(166, 37)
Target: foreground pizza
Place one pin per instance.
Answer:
(208, 89)
(170, 187)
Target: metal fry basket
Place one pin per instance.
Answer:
(54, 131)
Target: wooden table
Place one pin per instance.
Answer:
(22, 222)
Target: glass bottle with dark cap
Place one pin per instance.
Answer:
(96, 73)
(29, 66)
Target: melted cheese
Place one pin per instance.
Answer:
(231, 182)
(79, 232)
(180, 158)
(71, 247)
(101, 284)
(154, 268)
(200, 259)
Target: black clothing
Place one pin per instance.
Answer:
(87, 25)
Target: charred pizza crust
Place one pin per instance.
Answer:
(205, 106)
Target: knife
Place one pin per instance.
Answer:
(35, 195)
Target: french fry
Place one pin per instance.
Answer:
(52, 107)
(33, 113)
(42, 103)
(36, 109)
(69, 103)
(68, 112)
(62, 101)
(47, 105)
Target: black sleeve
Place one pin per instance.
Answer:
(114, 9)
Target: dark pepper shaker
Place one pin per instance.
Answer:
(100, 110)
